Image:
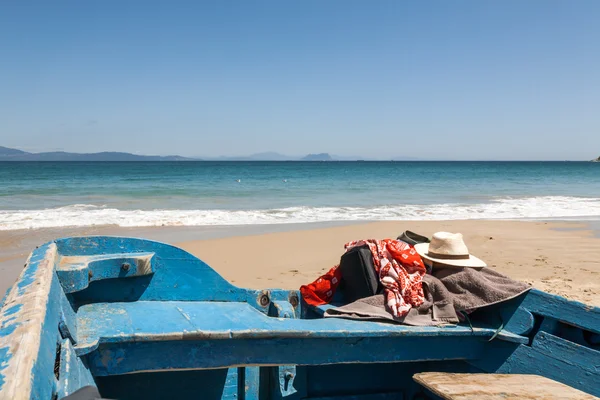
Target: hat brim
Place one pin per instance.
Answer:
(471, 262)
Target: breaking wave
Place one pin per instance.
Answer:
(547, 207)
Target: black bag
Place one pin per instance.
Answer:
(358, 274)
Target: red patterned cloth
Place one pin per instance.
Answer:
(321, 291)
(400, 271)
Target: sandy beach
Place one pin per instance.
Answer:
(558, 257)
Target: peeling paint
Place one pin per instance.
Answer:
(13, 309)
(184, 314)
(76, 272)
(8, 329)
(3, 300)
(3, 363)
(20, 338)
(27, 277)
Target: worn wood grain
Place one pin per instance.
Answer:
(76, 272)
(27, 346)
(497, 387)
(137, 322)
(133, 357)
(570, 312)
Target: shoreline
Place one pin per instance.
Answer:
(556, 256)
(468, 207)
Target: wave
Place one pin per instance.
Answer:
(547, 207)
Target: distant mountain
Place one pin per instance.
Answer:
(273, 156)
(265, 156)
(317, 157)
(336, 157)
(361, 158)
(7, 154)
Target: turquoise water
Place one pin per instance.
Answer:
(36, 195)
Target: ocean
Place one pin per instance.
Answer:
(61, 194)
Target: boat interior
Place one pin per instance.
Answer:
(139, 319)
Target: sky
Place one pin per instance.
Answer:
(461, 80)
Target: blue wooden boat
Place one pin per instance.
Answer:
(138, 319)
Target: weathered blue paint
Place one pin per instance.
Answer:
(288, 382)
(30, 347)
(73, 373)
(571, 312)
(4, 357)
(13, 309)
(44, 386)
(75, 273)
(250, 384)
(286, 374)
(121, 358)
(27, 278)
(135, 322)
(9, 328)
(9, 320)
(292, 297)
(282, 309)
(521, 321)
(114, 306)
(4, 298)
(552, 363)
(558, 347)
(580, 355)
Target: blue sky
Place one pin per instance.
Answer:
(437, 79)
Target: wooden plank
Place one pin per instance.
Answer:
(76, 272)
(504, 359)
(570, 312)
(562, 349)
(497, 387)
(125, 358)
(137, 322)
(250, 386)
(29, 330)
(73, 373)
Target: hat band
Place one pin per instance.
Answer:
(449, 256)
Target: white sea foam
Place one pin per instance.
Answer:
(549, 207)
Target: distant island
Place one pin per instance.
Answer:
(596, 160)
(273, 156)
(8, 154)
(318, 157)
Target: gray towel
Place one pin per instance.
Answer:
(447, 291)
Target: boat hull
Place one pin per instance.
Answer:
(142, 319)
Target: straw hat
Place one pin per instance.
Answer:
(449, 249)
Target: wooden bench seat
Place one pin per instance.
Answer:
(236, 331)
(451, 386)
(174, 320)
